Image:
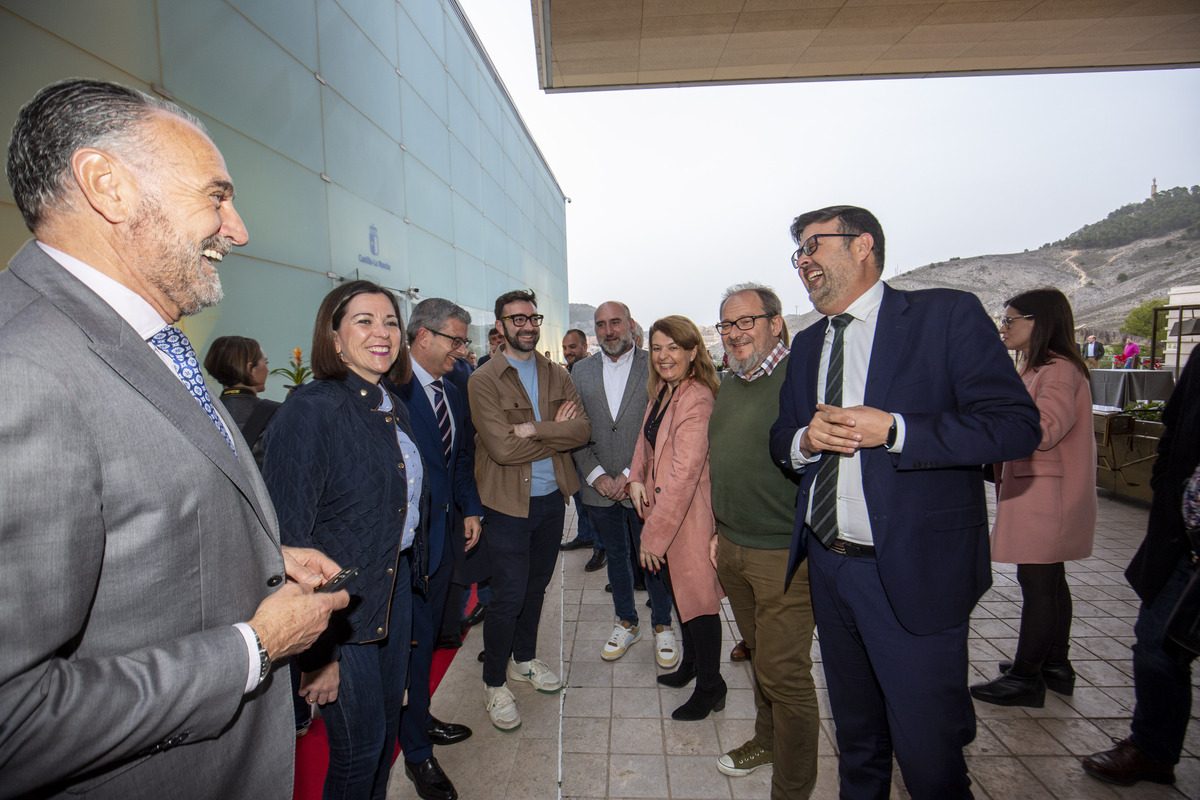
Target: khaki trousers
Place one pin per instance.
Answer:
(778, 629)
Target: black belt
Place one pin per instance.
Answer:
(853, 549)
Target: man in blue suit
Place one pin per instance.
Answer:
(890, 508)
(437, 338)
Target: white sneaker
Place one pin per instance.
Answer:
(623, 635)
(535, 672)
(666, 651)
(502, 708)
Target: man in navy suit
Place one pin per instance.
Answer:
(437, 338)
(890, 508)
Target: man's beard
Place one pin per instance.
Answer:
(515, 344)
(623, 344)
(742, 366)
(175, 266)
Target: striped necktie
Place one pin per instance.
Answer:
(443, 417)
(824, 505)
(171, 341)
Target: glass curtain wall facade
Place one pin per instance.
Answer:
(366, 138)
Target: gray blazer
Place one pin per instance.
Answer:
(131, 539)
(612, 440)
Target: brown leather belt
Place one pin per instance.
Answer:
(853, 549)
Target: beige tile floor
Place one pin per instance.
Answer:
(609, 733)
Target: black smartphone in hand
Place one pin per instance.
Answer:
(339, 581)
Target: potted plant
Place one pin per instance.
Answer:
(295, 371)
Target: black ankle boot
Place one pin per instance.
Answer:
(701, 703)
(1059, 677)
(680, 677)
(1012, 690)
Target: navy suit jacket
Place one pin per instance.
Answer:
(450, 485)
(937, 360)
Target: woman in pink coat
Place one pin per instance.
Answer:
(669, 486)
(1046, 504)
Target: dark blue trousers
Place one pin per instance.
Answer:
(523, 552)
(427, 618)
(1162, 677)
(891, 691)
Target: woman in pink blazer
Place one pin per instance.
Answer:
(670, 488)
(1046, 503)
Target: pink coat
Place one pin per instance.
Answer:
(1046, 506)
(679, 522)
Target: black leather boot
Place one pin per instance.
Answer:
(1059, 677)
(702, 703)
(680, 677)
(1012, 690)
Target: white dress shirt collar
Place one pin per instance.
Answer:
(131, 306)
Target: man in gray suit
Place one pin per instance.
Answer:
(144, 596)
(612, 386)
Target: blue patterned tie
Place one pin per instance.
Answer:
(443, 418)
(171, 341)
(824, 505)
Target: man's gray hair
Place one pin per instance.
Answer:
(771, 304)
(64, 117)
(432, 313)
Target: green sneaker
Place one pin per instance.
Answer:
(744, 760)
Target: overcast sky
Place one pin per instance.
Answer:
(678, 193)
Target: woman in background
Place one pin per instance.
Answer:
(1046, 505)
(240, 366)
(346, 478)
(669, 486)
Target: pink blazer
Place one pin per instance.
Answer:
(1046, 506)
(679, 522)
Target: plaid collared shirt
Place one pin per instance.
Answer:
(769, 363)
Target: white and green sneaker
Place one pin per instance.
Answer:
(535, 672)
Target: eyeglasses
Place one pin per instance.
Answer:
(519, 320)
(742, 323)
(456, 342)
(1006, 321)
(813, 242)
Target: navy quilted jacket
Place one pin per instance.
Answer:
(336, 477)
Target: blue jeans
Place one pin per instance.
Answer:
(620, 530)
(365, 719)
(585, 528)
(1162, 679)
(427, 618)
(523, 552)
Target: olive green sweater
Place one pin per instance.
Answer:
(753, 500)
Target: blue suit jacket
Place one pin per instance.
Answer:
(452, 484)
(937, 360)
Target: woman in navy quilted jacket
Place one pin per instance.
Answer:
(346, 478)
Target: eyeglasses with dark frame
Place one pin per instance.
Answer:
(810, 245)
(1007, 321)
(519, 320)
(742, 323)
(456, 342)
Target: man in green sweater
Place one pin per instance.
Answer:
(755, 506)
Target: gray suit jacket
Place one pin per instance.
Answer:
(131, 539)
(612, 440)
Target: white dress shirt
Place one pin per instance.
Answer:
(854, 519)
(616, 376)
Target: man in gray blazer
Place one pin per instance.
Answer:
(145, 594)
(612, 386)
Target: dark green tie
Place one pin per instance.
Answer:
(824, 504)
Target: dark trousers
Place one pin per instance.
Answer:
(365, 719)
(890, 691)
(523, 553)
(620, 530)
(1162, 676)
(585, 525)
(427, 616)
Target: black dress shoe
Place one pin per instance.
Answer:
(448, 641)
(1125, 765)
(431, 782)
(1059, 677)
(1012, 690)
(702, 703)
(599, 559)
(446, 732)
(475, 617)
(574, 544)
(680, 677)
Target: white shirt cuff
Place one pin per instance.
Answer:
(899, 445)
(596, 473)
(253, 666)
(798, 458)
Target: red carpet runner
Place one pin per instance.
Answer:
(312, 749)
